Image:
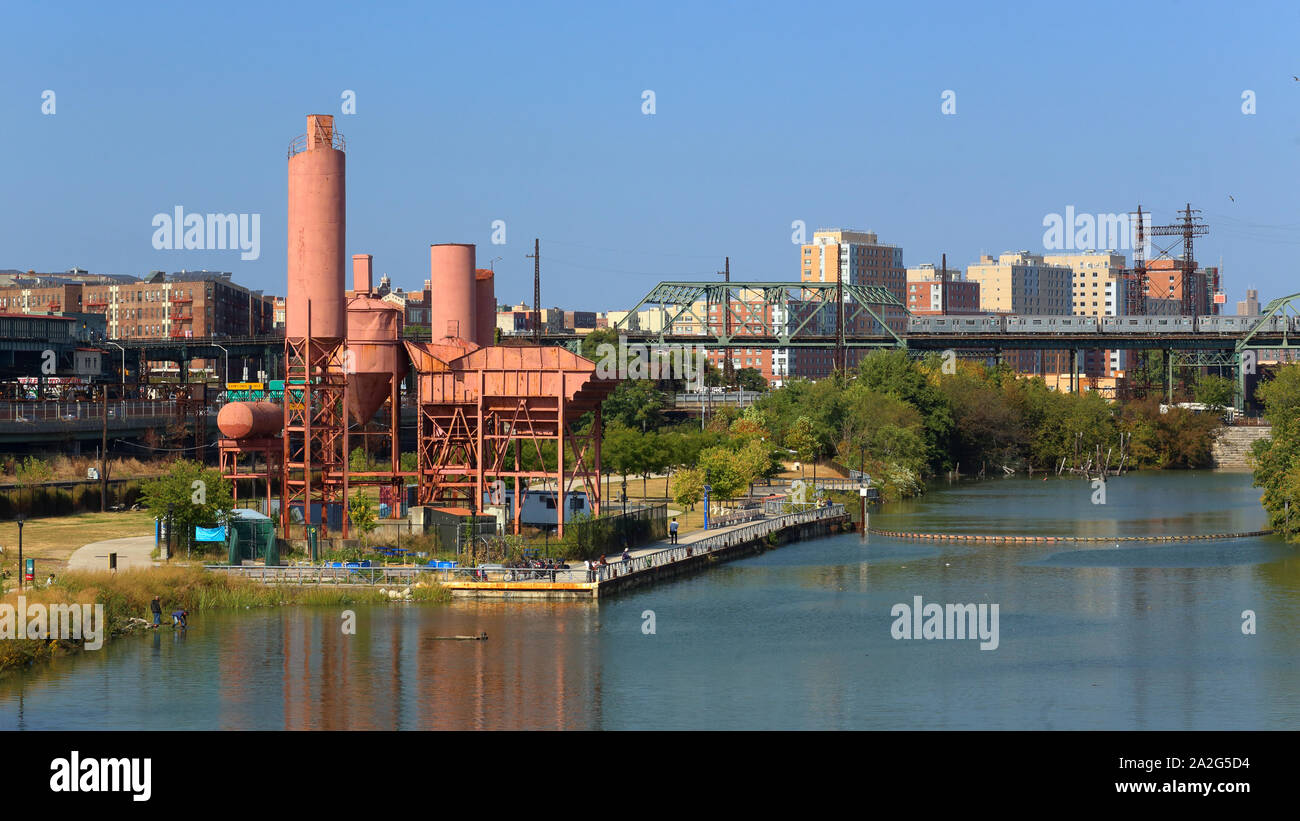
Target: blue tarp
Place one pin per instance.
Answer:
(209, 534)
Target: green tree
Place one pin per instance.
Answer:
(724, 473)
(750, 379)
(592, 341)
(635, 403)
(32, 471)
(687, 487)
(1277, 458)
(198, 496)
(362, 514)
(1215, 391)
(802, 439)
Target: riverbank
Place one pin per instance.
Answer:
(126, 596)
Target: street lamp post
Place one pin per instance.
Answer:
(171, 525)
(123, 350)
(708, 486)
(20, 519)
(227, 353)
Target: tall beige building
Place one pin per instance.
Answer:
(1023, 283)
(1098, 291)
(861, 259)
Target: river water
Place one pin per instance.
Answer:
(1090, 636)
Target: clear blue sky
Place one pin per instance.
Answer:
(766, 113)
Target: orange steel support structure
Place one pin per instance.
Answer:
(315, 391)
(481, 409)
(270, 449)
(379, 365)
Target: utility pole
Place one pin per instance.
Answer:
(839, 328)
(943, 285)
(103, 454)
(536, 257)
(727, 369)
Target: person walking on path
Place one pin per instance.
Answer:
(672, 532)
(155, 607)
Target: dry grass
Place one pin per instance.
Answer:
(54, 539)
(127, 595)
(66, 468)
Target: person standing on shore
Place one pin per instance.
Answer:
(155, 607)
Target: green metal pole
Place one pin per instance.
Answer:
(1169, 380)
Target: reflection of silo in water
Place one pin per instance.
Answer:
(452, 292)
(374, 356)
(315, 236)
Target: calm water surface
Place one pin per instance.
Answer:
(1091, 636)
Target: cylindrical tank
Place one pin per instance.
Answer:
(361, 273)
(485, 306)
(250, 420)
(316, 234)
(375, 354)
(451, 304)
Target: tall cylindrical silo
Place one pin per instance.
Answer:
(451, 307)
(485, 306)
(316, 235)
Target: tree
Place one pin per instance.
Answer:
(1277, 459)
(592, 341)
(750, 379)
(1215, 391)
(635, 403)
(723, 471)
(198, 497)
(32, 471)
(362, 513)
(802, 439)
(687, 487)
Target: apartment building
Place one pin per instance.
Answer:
(1018, 282)
(1097, 290)
(1167, 279)
(929, 293)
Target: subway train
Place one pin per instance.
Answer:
(1071, 325)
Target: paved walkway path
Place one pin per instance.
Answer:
(132, 552)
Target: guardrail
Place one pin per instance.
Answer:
(726, 398)
(73, 411)
(719, 541)
(575, 572)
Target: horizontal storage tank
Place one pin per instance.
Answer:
(452, 292)
(250, 420)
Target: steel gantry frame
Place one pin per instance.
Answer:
(1241, 358)
(789, 314)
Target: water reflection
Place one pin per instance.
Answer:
(1092, 636)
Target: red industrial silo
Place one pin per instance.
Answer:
(375, 356)
(485, 306)
(451, 306)
(316, 235)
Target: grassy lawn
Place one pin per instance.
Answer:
(57, 537)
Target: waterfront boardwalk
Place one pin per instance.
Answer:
(648, 564)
